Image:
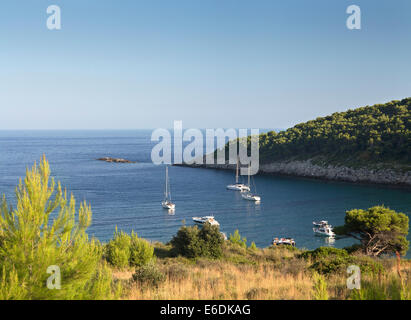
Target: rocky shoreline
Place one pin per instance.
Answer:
(115, 160)
(307, 169)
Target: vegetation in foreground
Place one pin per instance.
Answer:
(45, 229)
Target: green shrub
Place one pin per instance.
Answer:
(327, 260)
(102, 287)
(253, 247)
(125, 250)
(211, 241)
(148, 275)
(368, 265)
(186, 242)
(192, 242)
(118, 250)
(141, 251)
(325, 252)
(236, 239)
(10, 287)
(354, 248)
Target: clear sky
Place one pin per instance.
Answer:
(210, 63)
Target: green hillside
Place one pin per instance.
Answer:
(371, 134)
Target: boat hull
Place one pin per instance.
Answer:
(238, 187)
(168, 205)
(251, 198)
(323, 233)
(203, 221)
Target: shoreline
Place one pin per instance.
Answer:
(306, 170)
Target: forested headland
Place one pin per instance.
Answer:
(371, 134)
(370, 144)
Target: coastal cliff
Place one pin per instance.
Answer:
(308, 169)
(369, 144)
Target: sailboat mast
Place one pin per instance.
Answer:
(236, 171)
(249, 176)
(166, 191)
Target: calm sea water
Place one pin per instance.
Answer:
(129, 195)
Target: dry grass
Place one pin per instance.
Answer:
(264, 274)
(224, 281)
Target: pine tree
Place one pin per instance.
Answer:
(43, 230)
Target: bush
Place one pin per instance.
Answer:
(192, 242)
(253, 247)
(368, 265)
(118, 250)
(125, 250)
(186, 242)
(141, 252)
(354, 248)
(332, 260)
(148, 275)
(327, 260)
(325, 252)
(236, 239)
(211, 241)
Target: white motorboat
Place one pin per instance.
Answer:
(323, 228)
(166, 203)
(251, 197)
(248, 195)
(206, 219)
(238, 186)
(283, 241)
(321, 223)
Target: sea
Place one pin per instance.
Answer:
(128, 196)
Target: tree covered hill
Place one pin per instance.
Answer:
(373, 134)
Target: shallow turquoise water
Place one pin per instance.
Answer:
(129, 195)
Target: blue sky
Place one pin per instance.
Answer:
(211, 63)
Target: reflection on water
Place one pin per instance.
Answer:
(330, 241)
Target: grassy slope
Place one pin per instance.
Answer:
(271, 273)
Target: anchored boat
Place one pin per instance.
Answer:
(323, 228)
(248, 195)
(238, 186)
(283, 241)
(167, 204)
(209, 219)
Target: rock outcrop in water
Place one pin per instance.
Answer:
(307, 169)
(115, 160)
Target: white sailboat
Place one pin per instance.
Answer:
(248, 195)
(167, 204)
(238, 186)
